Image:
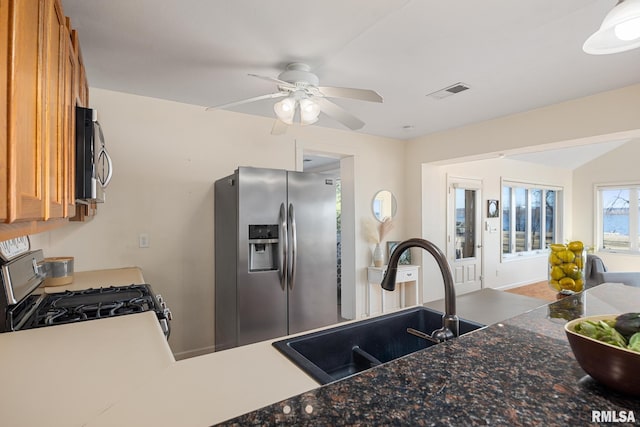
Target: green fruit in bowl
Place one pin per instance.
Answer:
(628, 324)
(634, 342)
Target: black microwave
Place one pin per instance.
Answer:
(93, 164)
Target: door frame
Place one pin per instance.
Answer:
(469, 183)
(347, 158)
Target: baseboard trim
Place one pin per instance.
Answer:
(517, 285)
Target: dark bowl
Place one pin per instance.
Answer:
(615, 367)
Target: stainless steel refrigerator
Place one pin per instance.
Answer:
(275, 255)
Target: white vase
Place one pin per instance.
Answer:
(378, 256)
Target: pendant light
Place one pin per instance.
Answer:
(619, 32)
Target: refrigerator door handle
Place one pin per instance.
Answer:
(284, 247)
(294, 247)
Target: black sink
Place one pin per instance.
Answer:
(339, 352)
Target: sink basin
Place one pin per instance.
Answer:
(342, 351)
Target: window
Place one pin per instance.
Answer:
(529, 218)
(618, 218)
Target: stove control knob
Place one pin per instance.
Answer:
(159, 298)
(168, 314)
(163, 305)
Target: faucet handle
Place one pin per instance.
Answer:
(442, 334)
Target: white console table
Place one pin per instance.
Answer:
(407, 276)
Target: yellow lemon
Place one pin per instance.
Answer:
(567, 283)
(553, 259)
(579, 285)
(557, 273)
(566, 256)
(557, 247)
(571, 270)
(555, 285)
(576, 246)
(579, 261)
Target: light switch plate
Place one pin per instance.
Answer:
(143, 240)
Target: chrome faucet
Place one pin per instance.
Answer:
(450, 324)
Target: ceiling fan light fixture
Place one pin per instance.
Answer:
(619, 32)
(285, 109)
(628, 30)
(309, 111)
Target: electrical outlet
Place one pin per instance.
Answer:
(143, 240)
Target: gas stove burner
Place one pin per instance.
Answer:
(21, 308)
(97, 303)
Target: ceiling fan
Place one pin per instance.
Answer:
(304, 99)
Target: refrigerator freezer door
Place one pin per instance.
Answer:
(261, 300)
(313, 296)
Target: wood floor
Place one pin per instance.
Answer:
(536, 290)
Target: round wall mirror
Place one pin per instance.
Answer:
(384, 205)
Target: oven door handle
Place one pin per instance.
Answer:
(40, 269)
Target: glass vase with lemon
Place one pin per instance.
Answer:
(566, 267)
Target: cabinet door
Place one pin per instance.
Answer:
(70, 94)
(82, 84)
(54, 95)
(25, 164)
(4, 63)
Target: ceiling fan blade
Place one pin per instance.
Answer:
(338, 113)
(348, 92)
(273, 80)
(279, 127)
(246, 101)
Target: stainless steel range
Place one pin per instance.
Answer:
(23, 309)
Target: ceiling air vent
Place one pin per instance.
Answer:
(448, 91)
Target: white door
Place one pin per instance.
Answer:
(464, 240)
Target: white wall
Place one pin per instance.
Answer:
(166, 158)
(619, 166)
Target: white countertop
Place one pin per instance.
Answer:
(64, 375)
(120, 372)
(208, 389)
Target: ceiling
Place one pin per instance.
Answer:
(514, 55)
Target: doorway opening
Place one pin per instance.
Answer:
(464, 241)
(330, 166)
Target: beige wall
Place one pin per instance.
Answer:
(606, 116)
(166, 158)
(619, 166)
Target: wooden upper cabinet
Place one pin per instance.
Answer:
(41, 81)
(82, 83)
(4, 62)
(68, 126)
(25, 111)
(55, 43)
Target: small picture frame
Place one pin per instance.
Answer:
(405, 258)
(493, 208)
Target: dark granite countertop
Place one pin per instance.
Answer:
(519, 372)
